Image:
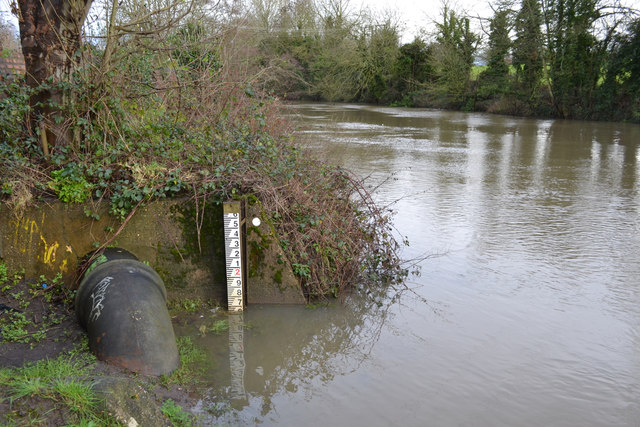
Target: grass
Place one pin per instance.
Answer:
(20, 296)
(475, 71)
(52, 384)
(178, 416)
(217, 327)
(186, 305)
(192, 360)
(59, 390)
(77, 395)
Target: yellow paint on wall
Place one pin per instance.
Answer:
(33, 229)
(26, 229)
(49, 254)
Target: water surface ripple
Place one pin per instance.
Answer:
(533, 306)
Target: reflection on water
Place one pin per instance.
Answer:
(276, 350)
(536, 296)
(237, 364)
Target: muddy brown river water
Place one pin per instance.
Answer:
(528, 316)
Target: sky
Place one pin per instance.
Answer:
(414, 14)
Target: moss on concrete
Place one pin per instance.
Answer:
(271, 279)
(182, 241)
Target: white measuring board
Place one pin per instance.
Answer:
(233, 255)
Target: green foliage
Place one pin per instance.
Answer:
(219, 326)
(528, 48)
(15, 325)
(454, 32)
(173, 118)
(619, 95)
(453, 56)
(60, 381)
(178, 416)
(560, 51)
(412, 68)
(4, 276)
(494, 82)
(14, 328)
(14, 107)
(186, 305)
(91, 214)
(378, 61)
(499, 46)
(191, 51)
(576, 55)
(70, 184)
(101, 259)
(192, 360)
(302, 270)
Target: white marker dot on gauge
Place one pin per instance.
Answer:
(256, 222)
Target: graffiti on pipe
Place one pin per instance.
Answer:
(97, 297)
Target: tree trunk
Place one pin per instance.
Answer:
(50, 33)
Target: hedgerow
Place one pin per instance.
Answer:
(166, 125)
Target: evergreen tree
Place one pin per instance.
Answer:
(575, 55)
(453, 55)
(378, 59)
(412, 68)
(528, 48)
(337, 69)
(620, 93)
(499, 46)
(494, 81)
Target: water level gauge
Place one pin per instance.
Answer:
(234, 254)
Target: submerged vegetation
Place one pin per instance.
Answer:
(193, 361)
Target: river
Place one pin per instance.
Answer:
(527, 312)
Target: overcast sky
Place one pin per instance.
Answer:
(417, 14)
(414, 14)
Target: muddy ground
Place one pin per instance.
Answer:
(51, 330)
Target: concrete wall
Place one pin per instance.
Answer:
(185, 248)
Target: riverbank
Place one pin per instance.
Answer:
(49, 377)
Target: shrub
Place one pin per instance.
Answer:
(198, 133)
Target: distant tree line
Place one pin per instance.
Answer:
(556, 58)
